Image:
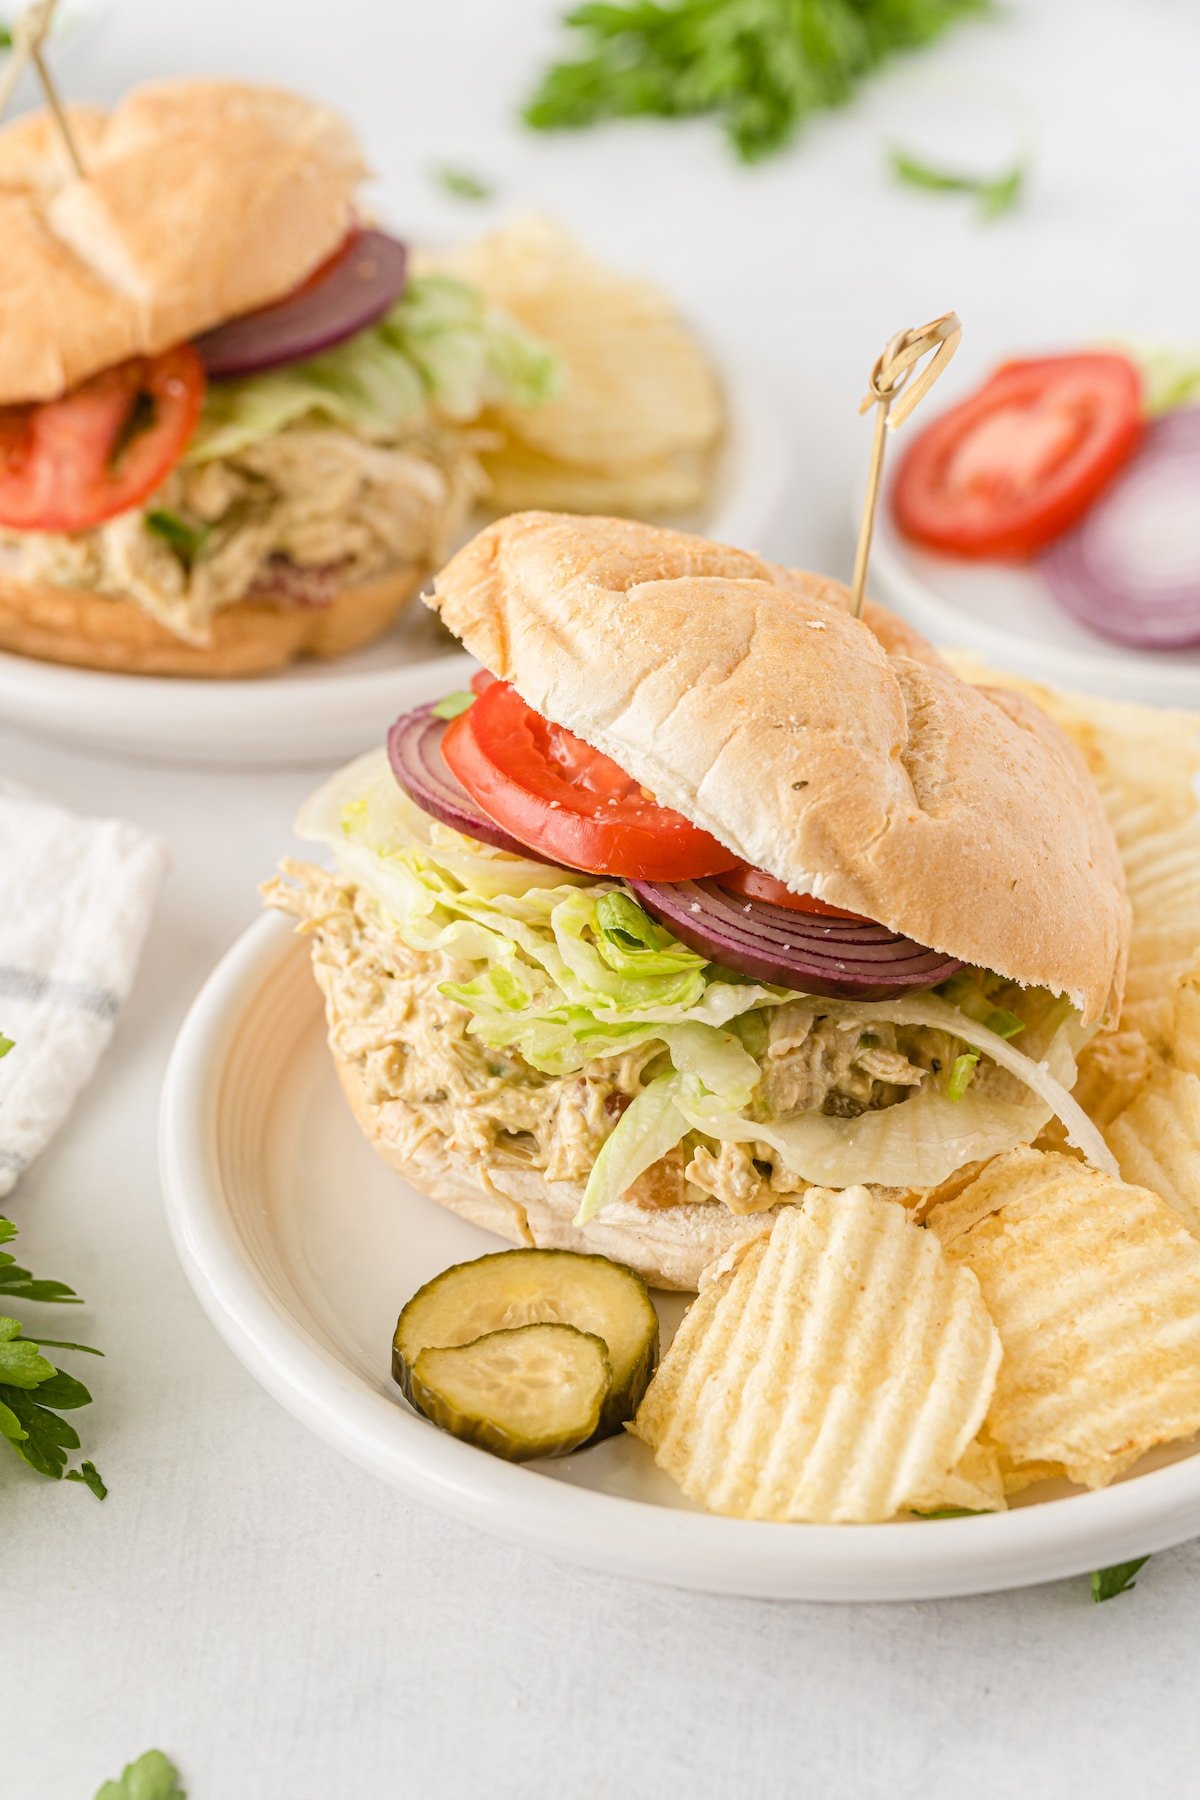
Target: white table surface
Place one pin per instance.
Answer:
(282, 1625)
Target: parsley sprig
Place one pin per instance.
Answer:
(34, 1392)
(761, 67)
(152, 1777)
(1108, 1583)
(995, 194)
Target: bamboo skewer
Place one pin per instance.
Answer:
(29, 35)
(890, 374)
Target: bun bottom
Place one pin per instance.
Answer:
(668, 1246)
(251, 637)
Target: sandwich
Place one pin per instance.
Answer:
(708, 893)
(238, 424)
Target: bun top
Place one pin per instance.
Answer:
(202, 200)
(841, 755)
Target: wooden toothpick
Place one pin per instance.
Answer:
(900, 357)
(29, 34)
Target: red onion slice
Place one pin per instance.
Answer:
(414, 746)
(355, 288)
(843, 959)
(1131, 569)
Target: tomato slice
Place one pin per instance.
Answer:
(756, 884)
(1021, 461)
(567, 801)
(70, 463)
(481, 681)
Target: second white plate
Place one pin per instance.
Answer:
(319, 713)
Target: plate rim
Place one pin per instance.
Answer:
(612, 1533)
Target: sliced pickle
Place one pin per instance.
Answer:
(534, 1390)
(538, 1287)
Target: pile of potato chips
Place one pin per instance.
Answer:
(636, 425)
(1033, 1318)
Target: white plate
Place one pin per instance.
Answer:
(302, 1246)
(318, 713)
(1005, 613)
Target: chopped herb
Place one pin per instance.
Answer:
(186, 540)
(962, 1073)
(1005, 1024)
(950, 1512)
(34, 1392)
(761, 67)
(452, 705)
(6, 1044)
(462, 184)
(1108, 1583)
(996, 194)
(5, 38)
(151, 1777)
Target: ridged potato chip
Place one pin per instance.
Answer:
(976, 1485)
(640, 411)
(839, 1373)
(1162, 873)
(1156, 1142)
(1113, 1069)
(1183, 1038)
(1094, 1287)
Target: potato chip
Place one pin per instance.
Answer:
(1094, 1287)
(519, 477)
(1156, 1142)
(1162, 872)
(638, 389)
(976, 1485)
(1183, 1035)
(1113, 1068)
(841, 1370)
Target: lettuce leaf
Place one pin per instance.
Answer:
(439, 349)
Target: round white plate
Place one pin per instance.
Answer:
(317, 712)
(1004, 612)
(302, 1246)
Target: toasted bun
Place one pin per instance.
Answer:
(252, 637)
(669, 1246)
(841, 755)
(203, 199)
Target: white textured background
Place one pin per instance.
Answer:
(283, 1626)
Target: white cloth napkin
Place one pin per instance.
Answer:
(75, 900)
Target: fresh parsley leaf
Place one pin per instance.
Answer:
(962, 1071)
(462, 184)
(33, 1391)
(1108, 1583)
(151, 1777)
(6, 1044)
(951, 1512)
(5, 38)
(187, 541)
(89, 1475)
(761, 67)
(452, 705)
(996, 194)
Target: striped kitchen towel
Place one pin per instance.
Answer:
(75, 900)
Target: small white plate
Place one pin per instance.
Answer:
(1005, 613)
(322, 712)
(302, 1246)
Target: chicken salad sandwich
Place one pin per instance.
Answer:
(708, 894)
(237, 423)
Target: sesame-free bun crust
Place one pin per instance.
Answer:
(669, 1246)
(843, 756)
(202, 200)
(252, 637)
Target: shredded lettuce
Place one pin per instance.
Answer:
(439, 349)
(565, 968)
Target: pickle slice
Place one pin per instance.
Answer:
(538, 1287)
(534, 1390)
